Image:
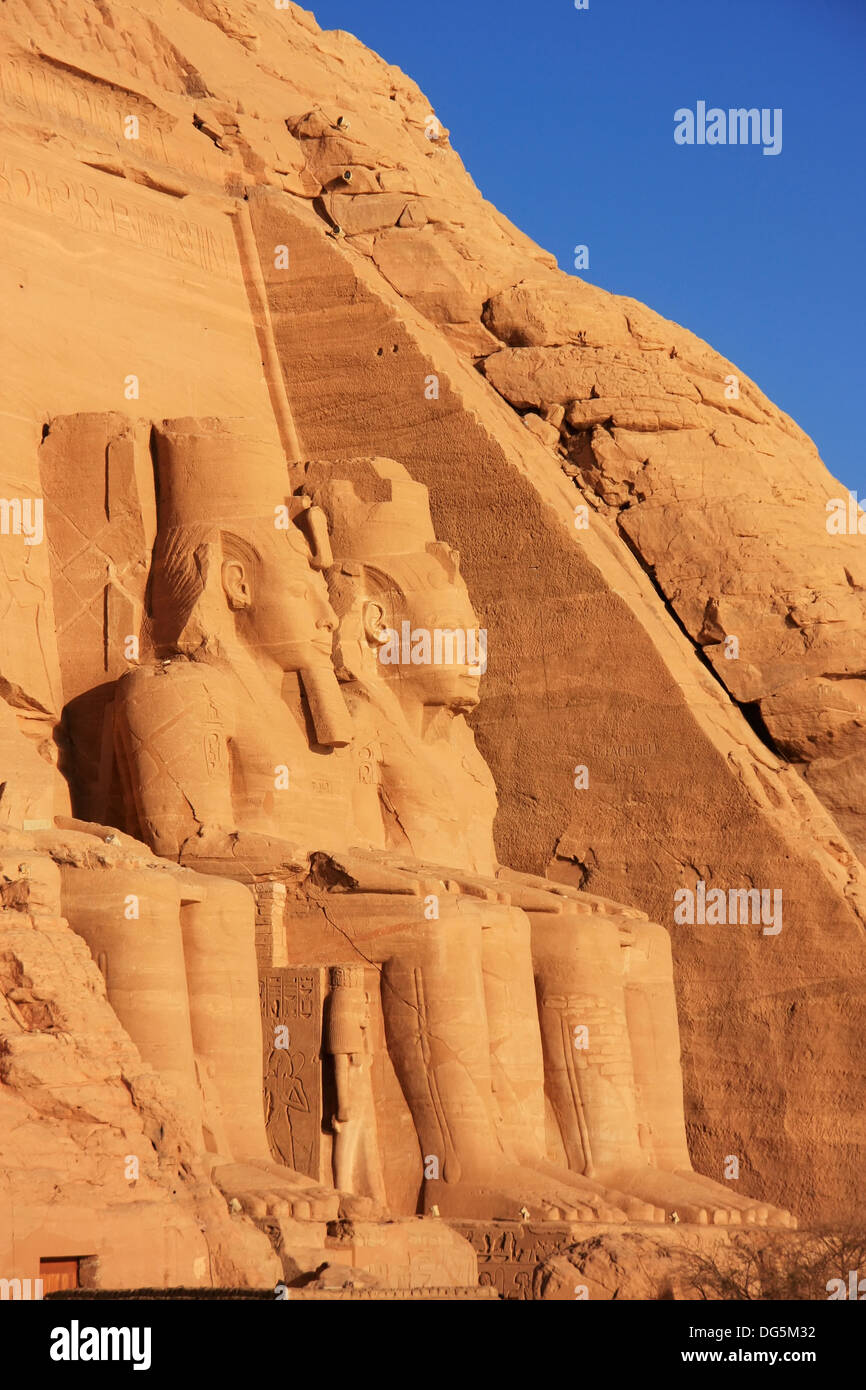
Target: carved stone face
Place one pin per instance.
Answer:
(281, 603)
(454, 684)
(440, 607)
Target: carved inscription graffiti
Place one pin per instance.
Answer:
(92, 206)
(291, 1003)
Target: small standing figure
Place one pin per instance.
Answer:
(356, 1151)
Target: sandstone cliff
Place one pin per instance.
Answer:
(215, 207)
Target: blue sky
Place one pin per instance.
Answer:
(565, 120)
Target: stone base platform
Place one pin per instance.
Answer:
(567, 1260)
(446, 1295)
(408, 1255)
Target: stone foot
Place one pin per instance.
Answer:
(610, 1204)
(267, 1189)
(352, 1205)
(682, 1195)
(753, 1212)
(675, 1197)
(505, 1192)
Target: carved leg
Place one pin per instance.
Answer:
(347, 1129)
(433, 1000)
(145, 964)
(131, 921)
(517, 1063)
(654, 1031)
(436, 1025)
(219, 953)
(219, 949)
(588, 1059)
(653, 1027)
(595, 1087)
(619, 1097)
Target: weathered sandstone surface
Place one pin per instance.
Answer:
(216, 211)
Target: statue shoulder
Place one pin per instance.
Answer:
(174, 689)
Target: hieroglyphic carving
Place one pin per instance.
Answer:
(134, 215)
(291, 1003)
(94, 111)
(438, 1295)
(36, 89)
(508, 1252)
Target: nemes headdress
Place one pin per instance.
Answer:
(218, 483)
(379, 523)
(376, 514)
(225, 474)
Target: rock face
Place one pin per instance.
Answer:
(91, 1137)
(253, 297)
(724, 501)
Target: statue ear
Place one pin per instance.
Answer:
(236, 584)
(373, 619)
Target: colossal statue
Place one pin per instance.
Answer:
(241, 761)
(606, 1003)
(176, 949)
(177, 952)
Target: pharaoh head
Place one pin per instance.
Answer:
(237, 563)
(236, 574)
(404, 609)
